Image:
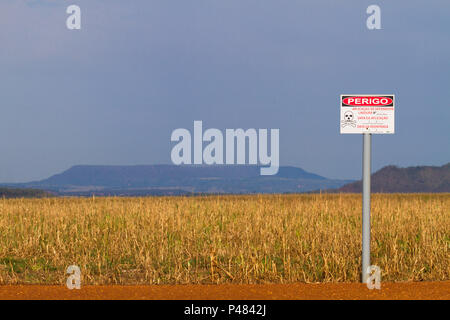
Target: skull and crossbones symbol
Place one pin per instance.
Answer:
(349, 120)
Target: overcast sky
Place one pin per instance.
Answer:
(112, 92)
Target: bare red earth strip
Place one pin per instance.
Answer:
(300, 291)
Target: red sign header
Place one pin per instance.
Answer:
(367, 101)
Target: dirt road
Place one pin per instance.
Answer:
(404, 290)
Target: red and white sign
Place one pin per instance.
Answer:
(367, 113)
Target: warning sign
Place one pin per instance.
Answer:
(367, 113)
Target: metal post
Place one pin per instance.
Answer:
(367, 142)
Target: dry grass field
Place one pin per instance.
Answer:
(222, 239)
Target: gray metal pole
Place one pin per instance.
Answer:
(367, 148)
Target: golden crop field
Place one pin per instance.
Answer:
(222, 239)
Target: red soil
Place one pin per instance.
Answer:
(299, 291)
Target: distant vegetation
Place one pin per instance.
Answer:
(143, 180)
(411, 179)
(171, 180)
(222, 239)
(22, 193)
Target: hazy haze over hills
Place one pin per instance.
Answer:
(171, 179)
(142, 180)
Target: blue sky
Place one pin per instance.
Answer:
(112, 92)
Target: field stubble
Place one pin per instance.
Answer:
(222, 239)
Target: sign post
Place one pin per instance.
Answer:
(367, 115)
(367, 159)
